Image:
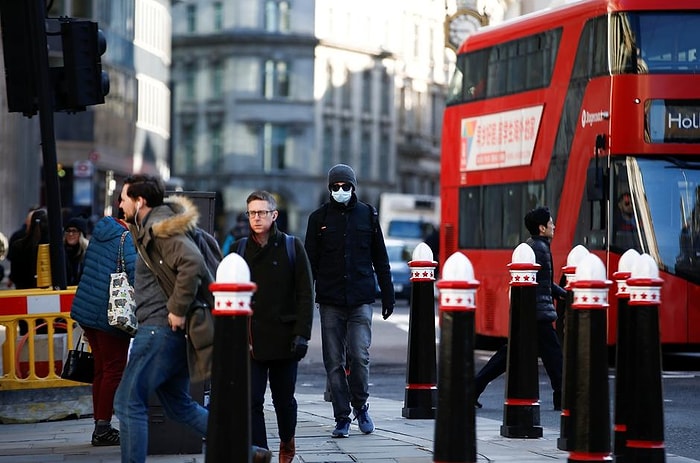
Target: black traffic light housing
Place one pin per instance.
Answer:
(18, 48)
(81, 81)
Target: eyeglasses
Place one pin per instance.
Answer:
(261, 214)
(344, 186)
(72, 231)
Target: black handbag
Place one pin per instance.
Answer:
(80, 364)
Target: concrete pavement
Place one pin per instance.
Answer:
(395, 440)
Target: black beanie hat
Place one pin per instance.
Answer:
(341, 173)
(535, 218)
(77, 222)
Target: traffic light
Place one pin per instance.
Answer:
(20, 74)
(81, 82)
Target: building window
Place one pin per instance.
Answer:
(367, 91)
(189, 80)
(346, 146)
(384, 151)
(346, 95)
(217, 79)
(276, 77)
(277, 16)
(218, 16)
(366, 152)
(191, 18)
(216, 142)
(274, 148)
(188, 148)
(328, 145)
(329, 98)
(386, 93)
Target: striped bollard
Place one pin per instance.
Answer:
(455, 419)
(645, 416)
(521, 409)
(229, 434)
(572, 260)
(623, 353)
(421, 372)
(589, 399)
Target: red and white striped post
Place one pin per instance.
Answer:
(420, 398)
(590, 422)
(623, 353)
(575, 256)
(521, 409)
(455, 419)
(645, 415)
(229, 434)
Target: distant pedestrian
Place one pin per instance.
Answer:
(346, 248)
(109, 345)
(540, 224)
(75, 243)
(23, 251)
(282, 316)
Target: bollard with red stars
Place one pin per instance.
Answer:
(589, 399)
(645, 415)
(229, 430)
(421, 372)
(455, 419)
(572, 260)
(623, 354)
(521, 409)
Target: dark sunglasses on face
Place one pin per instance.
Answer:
(345, 187)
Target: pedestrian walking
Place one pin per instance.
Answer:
(346, 249)
(540, 224)
(109, 345)
(282, 317)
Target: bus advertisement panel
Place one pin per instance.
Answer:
(592, 109)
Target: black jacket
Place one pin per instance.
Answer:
(283, 302)
(346, 247)
(546, 288)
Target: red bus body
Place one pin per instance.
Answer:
(603, 126)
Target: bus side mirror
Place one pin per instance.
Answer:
(595, 183)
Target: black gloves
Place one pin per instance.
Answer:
(299, 347)
(387, 311)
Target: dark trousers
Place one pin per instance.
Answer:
(283, 377)
(548, 349)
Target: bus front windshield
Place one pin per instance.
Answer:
(655, 42)
(666, 198)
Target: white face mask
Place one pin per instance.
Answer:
(342, 196)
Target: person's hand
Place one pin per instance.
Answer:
(176, 322)
(300, 345)
(387, 311)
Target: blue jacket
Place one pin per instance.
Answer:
(92, 296)
(346, 248)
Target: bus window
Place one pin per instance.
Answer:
(491, 217)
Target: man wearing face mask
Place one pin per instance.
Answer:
(346, 248)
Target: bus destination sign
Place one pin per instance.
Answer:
(673, 121)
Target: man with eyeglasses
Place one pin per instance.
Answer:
(346, 248)
(280, 327)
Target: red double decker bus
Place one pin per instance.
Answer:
(592, 109)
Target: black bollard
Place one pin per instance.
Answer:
(521, 410)
(645, 415)
(623, 355)
(229, 430)
(590, 423)
(455, 419)
(420, 398)
(570, 330)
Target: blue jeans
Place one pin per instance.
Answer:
(346, 330)
(157, 364)
(283, 378)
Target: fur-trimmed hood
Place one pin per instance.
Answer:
(183, 219)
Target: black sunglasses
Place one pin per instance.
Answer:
(345, 187)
